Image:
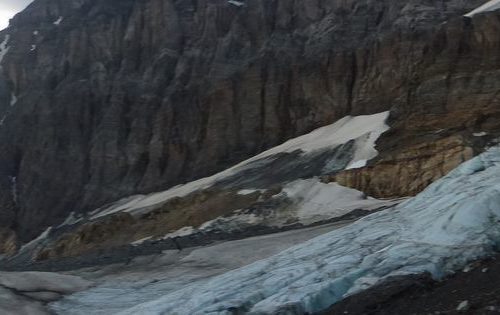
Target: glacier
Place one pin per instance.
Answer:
(454, 221)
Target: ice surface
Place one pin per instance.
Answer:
(452, 222)
(13, 304)
(148, 278)
(365, 130)
(42, 282)
(488, 6)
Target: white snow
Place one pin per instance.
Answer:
(36, 32)
(4, 49)
(365, 148)
(463, 306)
(452, 222)
(36, 241)
(141, 241)
(236, 222)
(236, 3)
(357, 164)
(316, 201)
(245, 192)
(344, 130)
(363, 129)
(58, 21)
(71, 219)
(487, 7)
(13, 99)
(33, 48)
(187, 230)
(480, 134)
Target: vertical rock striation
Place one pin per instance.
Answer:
(107, 98)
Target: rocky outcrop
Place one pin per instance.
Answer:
(123, 229)
(8, 242)
(409, 171)
(122, 96)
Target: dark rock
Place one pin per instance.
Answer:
(127, 96)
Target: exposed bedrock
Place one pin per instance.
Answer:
(124, 97)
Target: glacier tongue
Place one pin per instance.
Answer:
(453, 221)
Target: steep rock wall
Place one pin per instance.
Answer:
(124, 96)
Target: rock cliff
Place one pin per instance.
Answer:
(101, 99)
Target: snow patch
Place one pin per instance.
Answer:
(245, 192)
(58, 21)
(43, 281)
(13, 99)
(363, 129)
(141, 241)
(232, 223)
(33, 48)
(36, 241)
(236, 3)
(187, 230)
(71, 219)
(487, 7)
(480, 134)
(357, 164)
(318, 201)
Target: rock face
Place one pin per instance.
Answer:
(8, 241)
(102, 99)
(410, 171)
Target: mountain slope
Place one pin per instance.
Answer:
(279, 189)
(114, 98)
